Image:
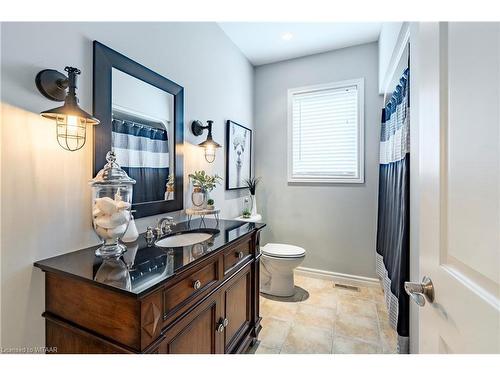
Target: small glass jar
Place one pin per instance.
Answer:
(111, 203)
(247, 206)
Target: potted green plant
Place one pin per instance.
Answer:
(210, 204)
(203, 184)
(251, 183)
(246, 213)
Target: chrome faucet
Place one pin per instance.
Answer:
(149, 236)
(164, 226)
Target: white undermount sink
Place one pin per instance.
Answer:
(183, 239)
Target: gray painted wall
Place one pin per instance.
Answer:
(336, 224)
(45, 201)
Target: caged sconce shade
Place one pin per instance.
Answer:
(208, 144)
(71, 120)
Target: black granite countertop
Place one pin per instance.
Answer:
(143, 266)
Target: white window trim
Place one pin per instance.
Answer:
(360, 84)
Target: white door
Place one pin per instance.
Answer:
(459, 185)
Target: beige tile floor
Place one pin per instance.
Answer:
(329, 320)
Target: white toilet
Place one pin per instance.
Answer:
(276, 268)
(277, 264)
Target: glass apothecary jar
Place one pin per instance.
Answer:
(111, 202)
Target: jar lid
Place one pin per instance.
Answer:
(111, 173)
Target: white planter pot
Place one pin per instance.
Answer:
(254, 205)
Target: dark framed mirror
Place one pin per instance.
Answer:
(142, 120)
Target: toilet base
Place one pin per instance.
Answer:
(276, 275)
(280, 286)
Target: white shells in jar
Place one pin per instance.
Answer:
(111, 217)
(109, 206)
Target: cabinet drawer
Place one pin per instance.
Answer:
(189, 288)
(235, 256)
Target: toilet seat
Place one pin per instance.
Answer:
(279, 250)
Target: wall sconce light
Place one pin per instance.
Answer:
(71, 120)
(209, 144)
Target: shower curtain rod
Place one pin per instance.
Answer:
(138, 124)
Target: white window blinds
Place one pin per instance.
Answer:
(325, 133)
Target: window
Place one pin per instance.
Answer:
(325, 133)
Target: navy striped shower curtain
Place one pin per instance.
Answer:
(393, 227)
(142, 151)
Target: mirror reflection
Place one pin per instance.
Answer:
(113, 271)
(143, 137)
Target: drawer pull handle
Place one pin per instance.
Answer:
(225, 322)
(240, 254)
(197, 284)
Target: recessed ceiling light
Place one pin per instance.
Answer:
(287, 36)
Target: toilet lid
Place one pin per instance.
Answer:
(282, 250)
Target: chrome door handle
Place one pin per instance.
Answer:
(225, 322)
(419, 292)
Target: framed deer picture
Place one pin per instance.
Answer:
(238, 155)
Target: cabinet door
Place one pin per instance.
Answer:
(236, 297)
(199, 332)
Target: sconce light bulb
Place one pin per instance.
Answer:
(71, 120)
(210, 154)
(71, 132)
(71, 123)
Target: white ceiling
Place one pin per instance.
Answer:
(263, 42)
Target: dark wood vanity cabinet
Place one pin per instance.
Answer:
(211, 306)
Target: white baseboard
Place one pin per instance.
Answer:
(337, 277)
